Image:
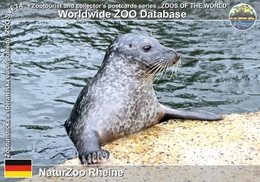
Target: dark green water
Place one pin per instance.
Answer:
(54, 59)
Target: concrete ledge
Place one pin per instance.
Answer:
(180, 150)
(234, 140)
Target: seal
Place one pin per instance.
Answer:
(120, 99)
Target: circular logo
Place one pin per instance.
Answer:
(242, 17)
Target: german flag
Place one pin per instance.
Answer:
(17, 168)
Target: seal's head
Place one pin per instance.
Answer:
(142, 51)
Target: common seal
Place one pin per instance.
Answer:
(120, 98)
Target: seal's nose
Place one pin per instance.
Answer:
(172, 51)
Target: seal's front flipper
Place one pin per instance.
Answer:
(169, 113)
(99, 156)
(90, 150)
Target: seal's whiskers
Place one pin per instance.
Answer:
(152, 72)
(159, 69)
(175, 68)
(163, 69)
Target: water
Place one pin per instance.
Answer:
(54, 59)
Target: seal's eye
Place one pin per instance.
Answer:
(130, 45)
(146, 48)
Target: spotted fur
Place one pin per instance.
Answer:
(120, 98)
